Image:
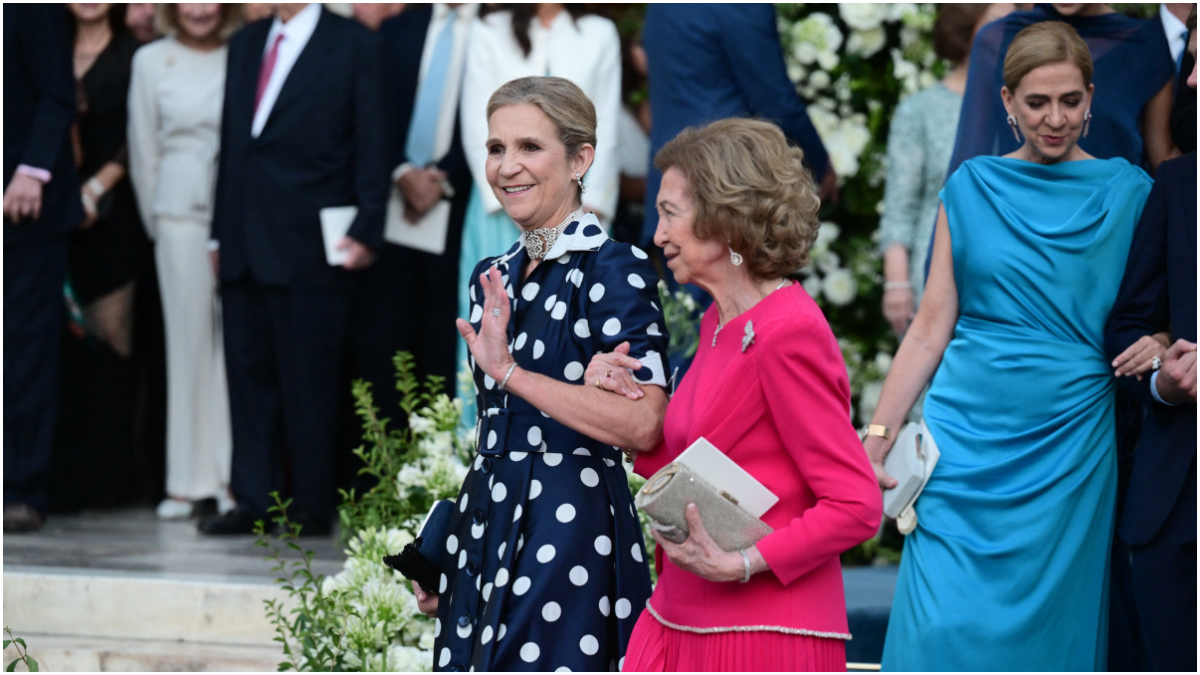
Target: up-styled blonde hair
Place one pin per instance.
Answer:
(1043, 44)
(166, 19)
(749, 188)
(562, 100)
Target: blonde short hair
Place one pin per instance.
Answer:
(166, 19)
(561, 100)
(749, 188)
(1043, 44)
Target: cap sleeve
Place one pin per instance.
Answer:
(622, 303)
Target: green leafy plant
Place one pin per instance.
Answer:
(22, 653)
(365, 618)
(682, 316)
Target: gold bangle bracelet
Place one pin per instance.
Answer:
(878, 430)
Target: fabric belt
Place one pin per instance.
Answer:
(499, 431)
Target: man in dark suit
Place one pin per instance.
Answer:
(409, 298)
(302, 131)
(712, 61)
(1158, 517)
(41, 203)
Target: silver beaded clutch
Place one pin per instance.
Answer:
(667, 493)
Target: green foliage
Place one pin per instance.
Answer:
(366, 618)
(682, 316)
(22, 653)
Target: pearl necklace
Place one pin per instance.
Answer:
(721, 325)
(538, 242)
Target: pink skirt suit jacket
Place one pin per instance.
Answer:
(780, 409)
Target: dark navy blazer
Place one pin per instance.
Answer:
(713, 61)
(39, 109)
(323, 145)
(1158, 293)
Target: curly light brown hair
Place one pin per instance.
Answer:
(749, 188)
(166, 19)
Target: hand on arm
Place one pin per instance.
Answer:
(1176, 381)
(701, 556)
(921, 351)
(612, 371)
(1138, 359)
(613, 420)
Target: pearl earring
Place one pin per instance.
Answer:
(1012, 122)
(735, 257)
(580, 181)
(1087, 122)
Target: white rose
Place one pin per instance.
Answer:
(828, 60)
(827, 233)
(816, 38)
(796, 72)
(839, 287)
(866, 43)
(820, 79)
(863, 15)
(844, 158)
(830, 262)
(897, 11)
(812, 285)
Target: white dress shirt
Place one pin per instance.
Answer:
(296, 34)
(1175, 29)
(586, 51)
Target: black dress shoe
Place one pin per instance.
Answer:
(20, 517)
(310, 525)
(236, 521)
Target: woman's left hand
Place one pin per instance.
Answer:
(490, 345)
(611, 371)
(1139, 357)
(700, 555)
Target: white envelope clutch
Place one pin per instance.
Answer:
(910, 462)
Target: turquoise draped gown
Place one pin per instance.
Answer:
(1008, 566)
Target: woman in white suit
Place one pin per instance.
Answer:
(514, 41)
(175, 100)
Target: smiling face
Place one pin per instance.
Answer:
(528, 167)
(199, 21)
(1049, 105)
(690, 259)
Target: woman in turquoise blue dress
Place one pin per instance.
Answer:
(1007, 568)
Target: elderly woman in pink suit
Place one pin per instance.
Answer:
(737, 212)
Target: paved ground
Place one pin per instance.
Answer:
(134, 540)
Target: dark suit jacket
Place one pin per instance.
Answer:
(713, 61)
(403, 44)
(39, 109)
(323, 145)
(1159, 293)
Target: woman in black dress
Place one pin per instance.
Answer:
(93, 459)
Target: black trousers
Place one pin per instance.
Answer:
(1164, 587)
(34, 272)
(407, 300)
(282, 353)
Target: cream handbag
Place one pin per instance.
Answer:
(667, 493)
(910, 462)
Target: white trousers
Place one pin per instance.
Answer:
(199, 441)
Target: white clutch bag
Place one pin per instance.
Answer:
(910, 462)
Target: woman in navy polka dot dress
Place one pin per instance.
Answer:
(546, 567)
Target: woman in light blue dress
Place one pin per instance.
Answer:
(1008, 566)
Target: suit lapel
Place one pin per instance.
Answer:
(246, 72)
(306, 68)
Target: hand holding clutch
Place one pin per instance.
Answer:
(701, 556)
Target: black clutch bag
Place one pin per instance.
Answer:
(421, 559)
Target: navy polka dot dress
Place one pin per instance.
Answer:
(546, 568)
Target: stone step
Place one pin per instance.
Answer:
(138, 606)
(61, 653)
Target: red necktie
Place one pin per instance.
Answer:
(264, 73)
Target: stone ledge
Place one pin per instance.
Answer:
(131, 605)
(62, 653)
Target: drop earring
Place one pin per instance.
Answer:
(580, 181)
(1012, 122)
(735, 257)
(1087, 122)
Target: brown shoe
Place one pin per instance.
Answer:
(20, 517)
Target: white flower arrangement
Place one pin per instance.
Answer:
(865, 15)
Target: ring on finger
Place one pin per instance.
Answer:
(598, 385)
(607, 374)
(1155, 363)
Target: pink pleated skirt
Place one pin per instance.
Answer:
(654, 647)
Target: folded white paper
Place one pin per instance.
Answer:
(723, 473)
(335, 223)
(427, 234)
